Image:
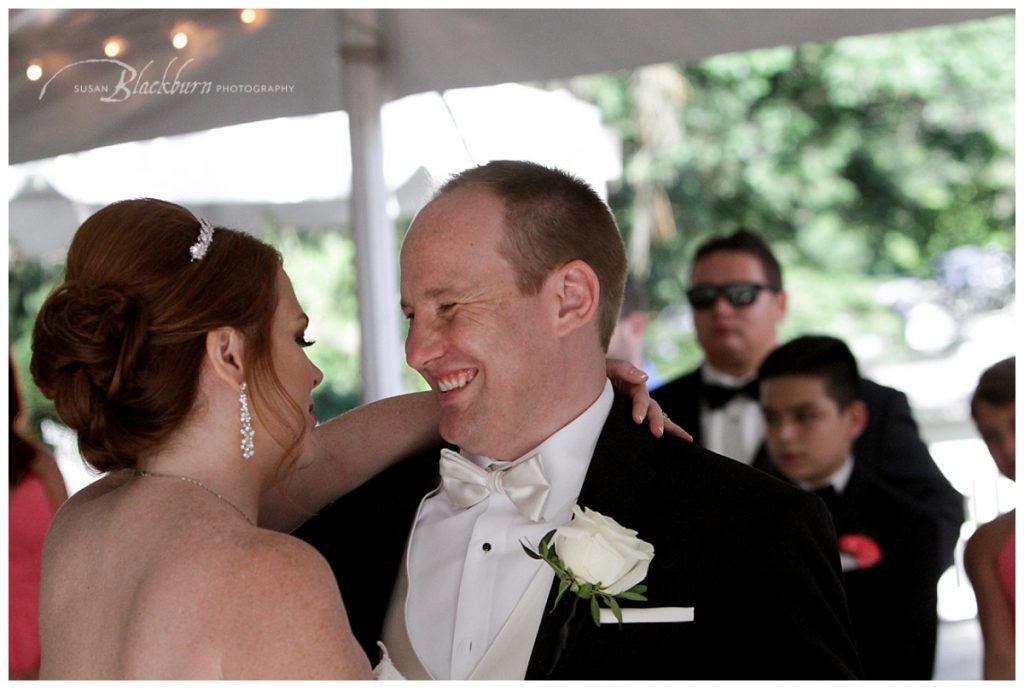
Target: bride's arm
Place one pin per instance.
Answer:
(348, 450)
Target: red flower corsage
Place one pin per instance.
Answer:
(862, 549)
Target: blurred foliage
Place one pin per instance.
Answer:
(321, 265)
(29, 283)
(859, 160)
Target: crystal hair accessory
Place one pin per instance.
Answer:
(199, 249)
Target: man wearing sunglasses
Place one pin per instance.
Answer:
(738, 302)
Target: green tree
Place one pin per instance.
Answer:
(859, 160)
(29, 283)
(321, 265)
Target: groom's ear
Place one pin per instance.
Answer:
(577, 292)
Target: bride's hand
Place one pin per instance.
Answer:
(629, 379)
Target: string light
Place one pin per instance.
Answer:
(114, 45)
(112, 48)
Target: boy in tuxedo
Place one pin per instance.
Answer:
(814, 411)
(739, 301)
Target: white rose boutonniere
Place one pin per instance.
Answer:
(597, 559)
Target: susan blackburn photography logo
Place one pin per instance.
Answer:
(127, 82)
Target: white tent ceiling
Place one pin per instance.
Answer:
(300, 62)
(417, 50)
(296, 171)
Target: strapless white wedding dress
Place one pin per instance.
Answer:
(385, 669)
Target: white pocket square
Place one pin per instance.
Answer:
(632, 615)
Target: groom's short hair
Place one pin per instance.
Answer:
(553, 217)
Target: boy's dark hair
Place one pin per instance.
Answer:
(997, 385)
(819, 356)
(745, 241)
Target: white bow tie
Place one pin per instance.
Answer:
(523, 483)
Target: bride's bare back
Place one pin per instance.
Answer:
(169, 340)
(157, 580)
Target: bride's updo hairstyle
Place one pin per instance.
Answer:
(119, 344)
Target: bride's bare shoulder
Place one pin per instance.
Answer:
(281, 598)
(84, 501)
(280, 558)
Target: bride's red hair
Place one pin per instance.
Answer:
(119, 344)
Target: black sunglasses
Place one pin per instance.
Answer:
(736, 293)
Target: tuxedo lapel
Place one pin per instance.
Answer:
(395, 516)
(613, 486)
(681, 400)
(374, 522)
(691, 405)
(762, 460)
(846, 514)
(615, 479)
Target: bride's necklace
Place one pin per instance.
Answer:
(187, 479)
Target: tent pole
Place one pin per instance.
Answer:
(381, 359)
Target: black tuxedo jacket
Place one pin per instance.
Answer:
(753, 556)
(890, 448)
(893, 604)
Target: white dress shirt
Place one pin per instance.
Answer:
(838, 480)
(467, 568)
(736, 429)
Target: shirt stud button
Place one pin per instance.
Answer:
(487, 547)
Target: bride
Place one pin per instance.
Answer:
(175, 350)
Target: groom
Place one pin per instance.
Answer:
(511, 282)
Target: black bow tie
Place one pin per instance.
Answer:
(718, 395)
(830, 497)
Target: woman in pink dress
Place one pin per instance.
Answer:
(990, 553)
(36, 490)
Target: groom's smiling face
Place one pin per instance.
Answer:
(483, 346)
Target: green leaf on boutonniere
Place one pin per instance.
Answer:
(613, 605)
(545, 544)
(563, 586)
(595, 611)
(635, 593)
(532, 554)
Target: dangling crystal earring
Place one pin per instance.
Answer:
(247, 431)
